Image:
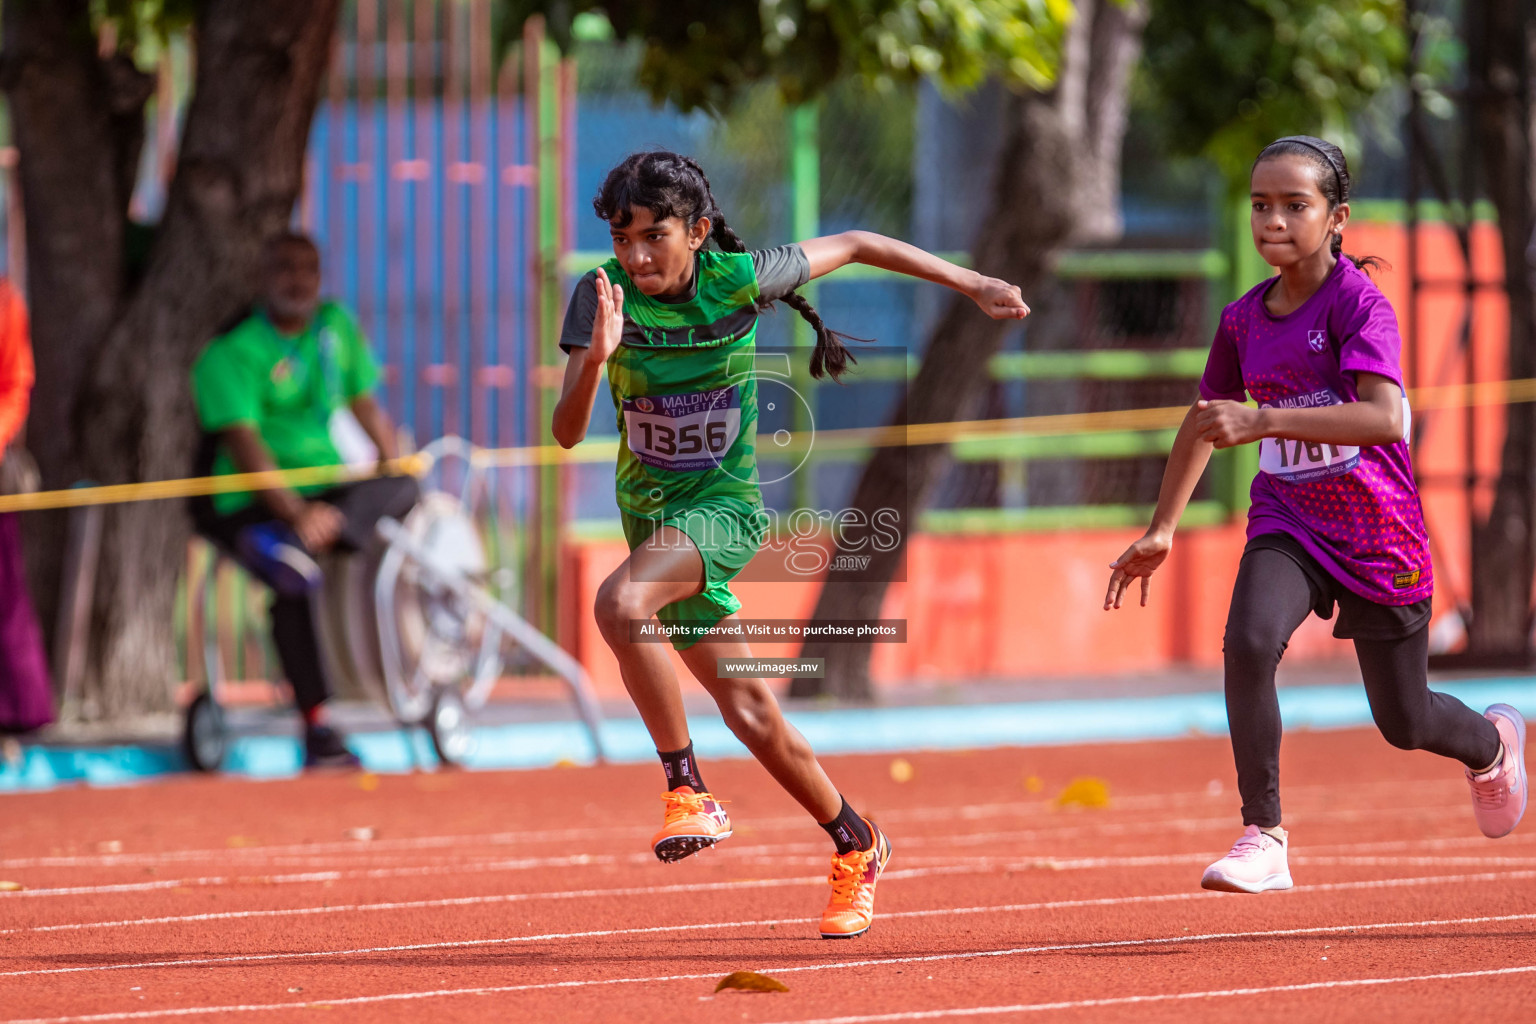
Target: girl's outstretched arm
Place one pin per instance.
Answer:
(1185, 464)
(998, 299)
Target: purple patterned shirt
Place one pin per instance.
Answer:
(1356, 510)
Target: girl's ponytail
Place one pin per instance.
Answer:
(831, 357)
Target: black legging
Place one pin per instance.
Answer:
(1272, 596)
(294, 618)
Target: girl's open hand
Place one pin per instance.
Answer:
(608, 324)
(1140, 561)
(1000, 300)
(1227, 424)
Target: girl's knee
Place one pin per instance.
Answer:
(1405, 732)
(616, 606)
(753, 716)
(1252, 648)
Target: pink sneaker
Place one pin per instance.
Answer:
(1255, 863)
(1498, 796)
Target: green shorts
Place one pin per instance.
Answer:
(728, 533)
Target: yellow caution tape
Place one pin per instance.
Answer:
(1449, 396)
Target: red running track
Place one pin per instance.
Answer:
(532, 896)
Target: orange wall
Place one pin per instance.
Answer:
(998, 606)
(1018, 605)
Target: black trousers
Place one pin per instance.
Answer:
(1273, 595)
(295, 620)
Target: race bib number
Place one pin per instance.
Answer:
(683, 433)
(1304, 461)
(1300, 461)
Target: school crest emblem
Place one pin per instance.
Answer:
(1318, 340)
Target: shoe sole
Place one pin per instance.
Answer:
(1518, 721)
(1218, 882)
(675, 848)
(878, 872)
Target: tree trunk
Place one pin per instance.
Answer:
(1056, 181)
(1501, 51)
(74, 205)
(124, 401)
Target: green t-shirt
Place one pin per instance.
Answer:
(285, 388)
(684, 380)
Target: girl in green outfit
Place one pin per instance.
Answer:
(673, 324)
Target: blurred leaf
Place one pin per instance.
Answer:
(1084, 791)
(706, 53)
(1225, 77)
(751, 981)
(143, 28)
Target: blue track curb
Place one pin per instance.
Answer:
(857, 731)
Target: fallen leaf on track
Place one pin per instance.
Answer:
(11, 887)
(1084, 791)
(902, 770)
(751, 981)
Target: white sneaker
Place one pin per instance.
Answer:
(1256, 863)
(1499, 795)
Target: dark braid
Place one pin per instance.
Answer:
(673, 185)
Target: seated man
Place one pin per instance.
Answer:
(268, 391)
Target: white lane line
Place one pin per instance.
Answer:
(962, 811)
(947, 866)
(312, 877)
(785, 854)
(1088, 1004)
(1416, 861)
(966, 812)
(1006, 908)
(1042, 860)
(787, 969)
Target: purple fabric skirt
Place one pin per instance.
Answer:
(26, 694)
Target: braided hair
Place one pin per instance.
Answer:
(672, 185)
(1332, 182)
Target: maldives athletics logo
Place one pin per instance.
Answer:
(1318, 340)
(645, 405)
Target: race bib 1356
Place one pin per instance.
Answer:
(683, 432)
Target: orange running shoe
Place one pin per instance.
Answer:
(852, 908)
(694, 822)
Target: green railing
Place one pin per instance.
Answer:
(1231, 472)
(1224, 269)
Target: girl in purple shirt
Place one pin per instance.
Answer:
(1335, 516)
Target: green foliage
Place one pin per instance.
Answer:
(142, 29)
(706, 53)
(1225, 77)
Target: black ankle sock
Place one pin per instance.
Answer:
(681, 769)
(849, 831)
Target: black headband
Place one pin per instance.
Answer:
(1310, 143)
